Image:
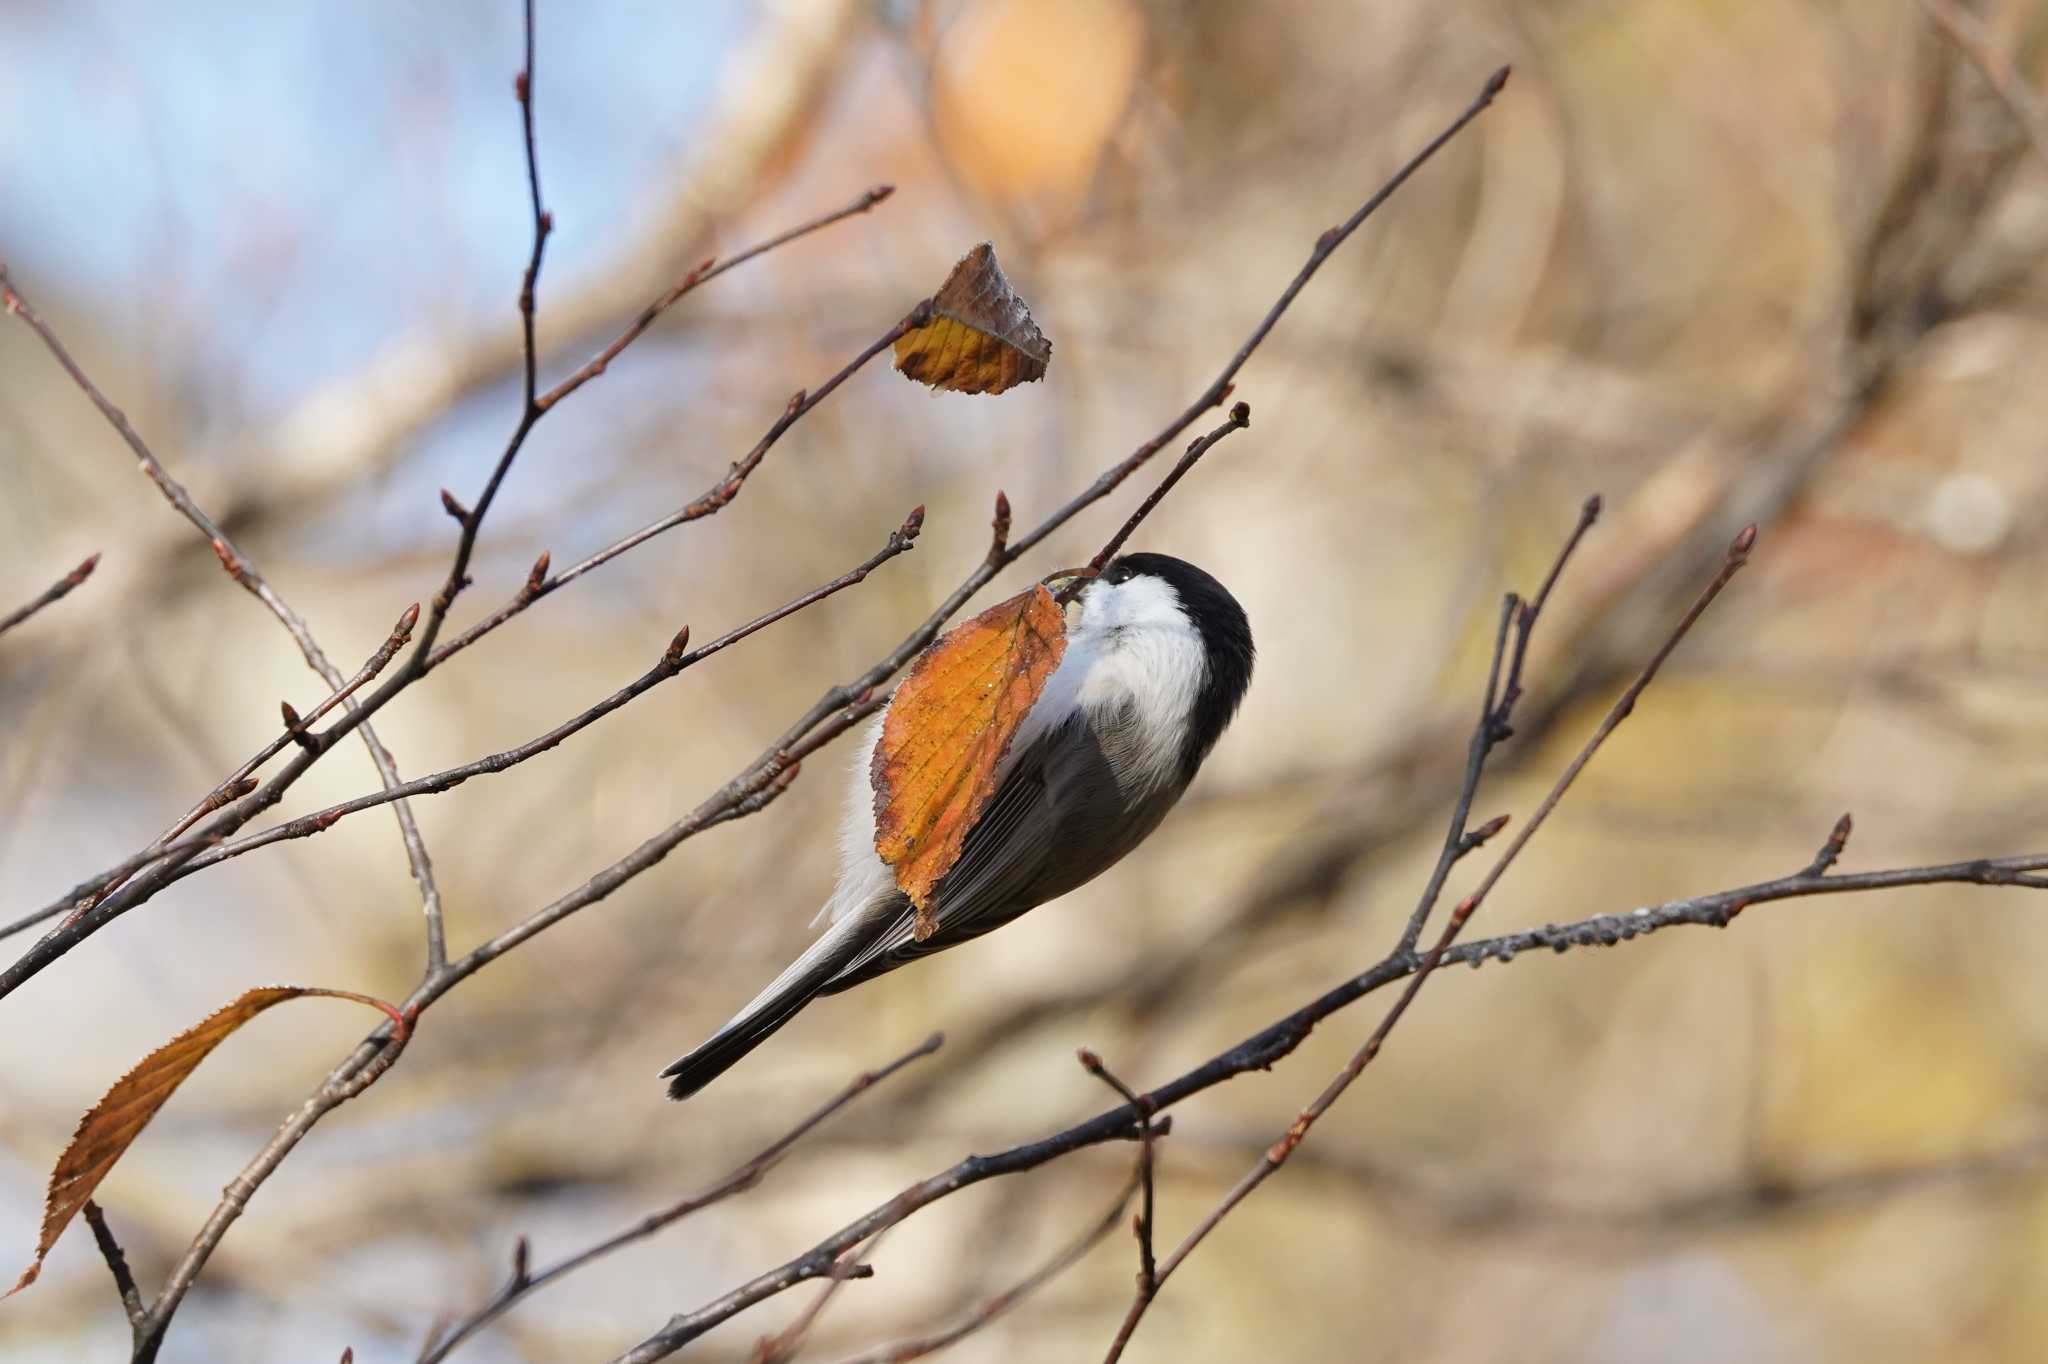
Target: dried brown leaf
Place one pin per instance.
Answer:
(948, 728)
(112, 1125)
(981, 338)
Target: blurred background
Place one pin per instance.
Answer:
(1720, 260)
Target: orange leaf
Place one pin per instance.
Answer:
(947, 729)
(106, 1132)
(981, 338)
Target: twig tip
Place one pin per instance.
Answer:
(536, 577)
(1241, 414)
(1744, 541)
(1498, 81)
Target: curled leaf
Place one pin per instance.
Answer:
(948, 727)
(981, 338)
(105, 1133)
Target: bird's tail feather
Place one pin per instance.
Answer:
(784, 998)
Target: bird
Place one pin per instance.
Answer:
(1158, 657)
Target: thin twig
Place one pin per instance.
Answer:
(702, 273)
(749, 791)
(1276, 1155)
(1240, 418)
(117, 1264)
(917, 1347)
(238, 784)
(235, 1197)
(373, 1055)
(1148, 1266)
(1219, 389)
(1831, 851)
(244, 572)
(1272, 1044)
(1496, 714)
(740, 1180)
(57, 591)
(89, 893)
(713, 500)
(677, 658)
(782, 1347)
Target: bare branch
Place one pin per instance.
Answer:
(1276, 1155)
(704, 271)
(1496, 714)
(1219, 389)
(749, 791)
(57, 591)
(677, 658)
(917, 1347)
(1148, 1267)
(709, 503)
(244, 572)
(236, 785)
(117, 1264)
(1240, 418)
(235, 1197)
(739, 1181)
(1272, 1044)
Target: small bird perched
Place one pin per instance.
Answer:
(1158, 657)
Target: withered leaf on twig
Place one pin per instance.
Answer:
(948, 728)
(981, 338)
(112, 1125)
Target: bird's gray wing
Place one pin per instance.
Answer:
(1056, 821)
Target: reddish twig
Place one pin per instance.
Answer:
(244, 572)
(702, 273)
(1240, 418)
(1272, 1044)
(751, 790)
(917, 1347)
(740, 1180)
(1496, 715)
(57, 591)
(1148, 1265)
(1831, 851)
(1276, 1155)
(235, 786)
(677, 658)
(713, 500)
(782, 1347)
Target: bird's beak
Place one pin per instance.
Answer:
(1067, 583)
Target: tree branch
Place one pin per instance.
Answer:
(243, 571)
(57, 591)
(1276, 1155)
(749, 791)
(676, 659)
(117, 1264)
(739, 1181)
(917, 1347)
